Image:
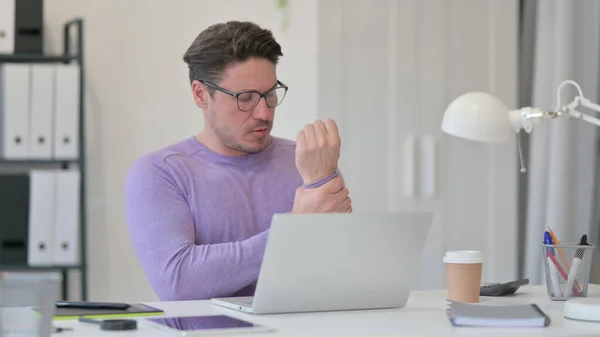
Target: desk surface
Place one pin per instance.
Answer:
(424, 315)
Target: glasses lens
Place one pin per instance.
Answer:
(275, 97)
(247, 101)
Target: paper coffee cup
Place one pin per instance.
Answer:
(463, 272)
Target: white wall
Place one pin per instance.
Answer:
(138, 100)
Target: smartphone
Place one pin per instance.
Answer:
(202, 325)
(92, 305)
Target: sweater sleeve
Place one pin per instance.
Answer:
(323, 181)
(162, 231)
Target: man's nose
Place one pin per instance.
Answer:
(262, 111)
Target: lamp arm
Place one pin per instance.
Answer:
(586, 103)
(525, 118)
(570, 108)
(589, 104)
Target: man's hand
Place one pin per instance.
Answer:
(332, 197)
(317, 150)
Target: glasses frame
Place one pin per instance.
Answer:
(279, 85)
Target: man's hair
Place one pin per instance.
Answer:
(224, 43)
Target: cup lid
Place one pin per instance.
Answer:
(463, 256)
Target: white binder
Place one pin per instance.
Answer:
(7, 26)
(42, 227)
(42, 111)
(14, 110)
(66, 241)
(66, 110)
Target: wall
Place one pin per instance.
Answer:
(384, 72)
(389, 71)
(138, 99)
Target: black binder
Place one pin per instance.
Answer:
(29, 26)
(14, 219)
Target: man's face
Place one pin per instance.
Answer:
(241, 132)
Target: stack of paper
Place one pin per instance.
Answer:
(526, 315)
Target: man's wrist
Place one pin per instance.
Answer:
(321, 181)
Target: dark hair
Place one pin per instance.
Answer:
(223, 43)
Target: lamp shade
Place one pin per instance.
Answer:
(478, 116)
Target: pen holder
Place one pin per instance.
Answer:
(567, 268)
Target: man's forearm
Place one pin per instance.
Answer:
(207, 271)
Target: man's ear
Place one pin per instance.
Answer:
(201, 94)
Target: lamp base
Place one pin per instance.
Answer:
(582, 309)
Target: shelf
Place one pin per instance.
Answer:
(37, 161)
(26, 267)
(37, 58)
(72, 52)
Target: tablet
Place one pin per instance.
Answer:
(203, 325)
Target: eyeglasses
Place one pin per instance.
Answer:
(247, 100)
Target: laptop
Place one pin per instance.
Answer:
(337, 261)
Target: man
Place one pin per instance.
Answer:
(199, 210)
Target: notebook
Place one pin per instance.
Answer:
(524, 315)
(137, 309)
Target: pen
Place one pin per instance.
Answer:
(560, 251)
(576, 262)
(553, 272)
(554, 278)
(548, 241)
(558, 267)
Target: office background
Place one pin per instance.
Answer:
(385, 72)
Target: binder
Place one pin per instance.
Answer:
(66, 240)
(29, 26)
(41, 217)
(21, 26)
(66, 110)
(14, 110)
(14, 211)
(42, 111)
(7, 26)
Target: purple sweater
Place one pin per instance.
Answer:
(199, 220)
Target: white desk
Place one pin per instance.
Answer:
(424, 315)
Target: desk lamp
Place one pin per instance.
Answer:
(479, 116)
(482, 117)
